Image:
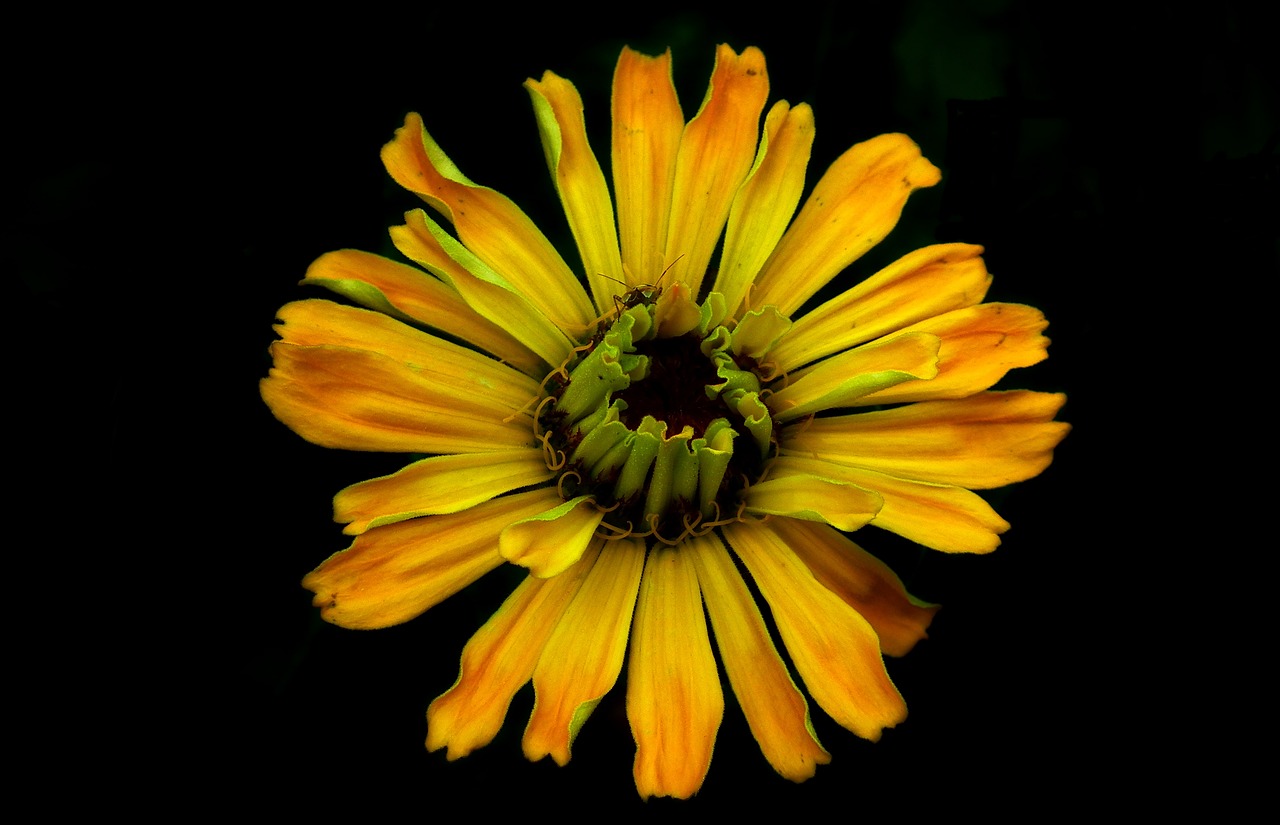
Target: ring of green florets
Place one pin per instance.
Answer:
(662, 425)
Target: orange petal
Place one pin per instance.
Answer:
(766, 201)
(490, 225)
(443, 484)
(716, 152)
(852, 208)
(775, 708)
(486, 292)
(940, 516)
(412, 295)
(979, 345)
(918, 286)
(391, 574)
(499, 659)
(356, 400)
(836, 650)
(864, 582)
(647, 124)
(584, 655)
(674, 701)
(988, 440)
(577, 177)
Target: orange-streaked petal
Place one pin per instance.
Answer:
(356, 400)
(851, 209)
(940, 516)
(813, 499)
(842, 379)
(988, 440)
(979, 345)
(412, 295)
(919, 285)
(391, 574)
(766, 201)
(463, 372)
(647, 124)
(443, 484)
(550, 542)
(584, 655)
(499, 659)
(716, 152)
(485, 291)
(863, 581)
(490, 225)
(775, 708)
(577, 177)
(674, 700)
(836, 650)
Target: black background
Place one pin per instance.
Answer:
(175, 177)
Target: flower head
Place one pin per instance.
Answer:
(639, 443)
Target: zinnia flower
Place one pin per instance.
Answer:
(641, 443)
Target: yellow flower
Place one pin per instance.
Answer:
(619, 441)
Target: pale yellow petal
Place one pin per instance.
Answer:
(584, 655)
(987, 440)
(490, 225)
(391, 574)
(766, 201)
(864, 582)
(577, 177)
(500, 659)
(851, 209)
(920, 285)
(647, 124)
(716, 152)
(443, 484)
(836, 650)
(550, 542)
(674, 700)
(775, 708)
(813, 499)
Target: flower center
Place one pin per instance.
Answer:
(660, 421)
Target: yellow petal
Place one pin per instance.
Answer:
(583, 657)
(813, 499)
(920, 285)
(836, 650)
(443, 484)
(766, 201)
(550, 542)
(842, 379)
(674, 701)
(464, 372)
(852, 208)
(864, 582)
(716, 152)
(775, 708)
(499, 660)
(412, 295)
(356, 400)
(490, 225)
(988, 440)
(577, 177)
(647, 124)
(979, 345)
(488, 294)
(392, 574)
(940, 516)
